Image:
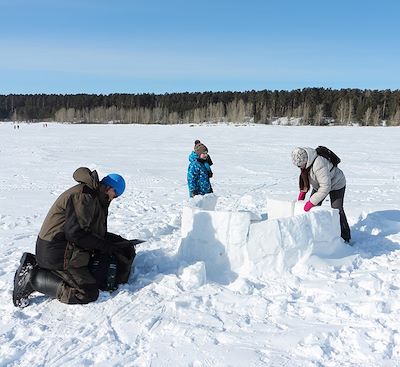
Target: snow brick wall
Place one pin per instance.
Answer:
(232, 243)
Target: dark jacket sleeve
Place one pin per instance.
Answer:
(78, 216)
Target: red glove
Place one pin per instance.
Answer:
(308, 206)
(301, 196)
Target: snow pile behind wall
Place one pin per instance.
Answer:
(232, 243)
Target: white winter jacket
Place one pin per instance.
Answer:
(324, 176)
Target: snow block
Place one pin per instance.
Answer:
(254, 217)
(275, 246)
(205, 202)
(285, 208)
(231, 242)
(280, 208)
(218, 239)
(298, 207)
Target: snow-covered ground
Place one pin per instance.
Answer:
(342, 310)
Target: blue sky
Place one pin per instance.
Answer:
(96, 46)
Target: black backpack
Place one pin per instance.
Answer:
(328, 154)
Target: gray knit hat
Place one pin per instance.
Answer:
(299, 157)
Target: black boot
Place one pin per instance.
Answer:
(22, 280)
(46, 282)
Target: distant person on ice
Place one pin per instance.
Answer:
(73, 234)
(325, 178)
(199, 170)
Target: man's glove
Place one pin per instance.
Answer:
(107, 247)
(308, 206)
(127, 243)
(112, 237)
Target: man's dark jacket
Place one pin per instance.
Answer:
(75, 225)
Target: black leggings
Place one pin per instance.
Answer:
(337, 198)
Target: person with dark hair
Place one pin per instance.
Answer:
(199, 170)
(73, 232)
(325, 179)
(208, 161)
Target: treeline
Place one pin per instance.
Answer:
(315, 106)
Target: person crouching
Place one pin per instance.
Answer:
(74, 230)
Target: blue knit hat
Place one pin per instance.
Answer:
(115, 181)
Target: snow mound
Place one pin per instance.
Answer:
(233, 243)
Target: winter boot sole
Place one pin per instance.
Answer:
(22, 280)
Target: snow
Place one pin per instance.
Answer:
(231, 244)
(285, 291)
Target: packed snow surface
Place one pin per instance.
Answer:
(221, 280)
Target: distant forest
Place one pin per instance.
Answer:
(310, 106)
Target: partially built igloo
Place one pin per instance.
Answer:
(232, 243)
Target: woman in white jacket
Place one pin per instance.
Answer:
(324, 178)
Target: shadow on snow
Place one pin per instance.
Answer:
(371, 233)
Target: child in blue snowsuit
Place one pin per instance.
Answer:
(199, 170)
